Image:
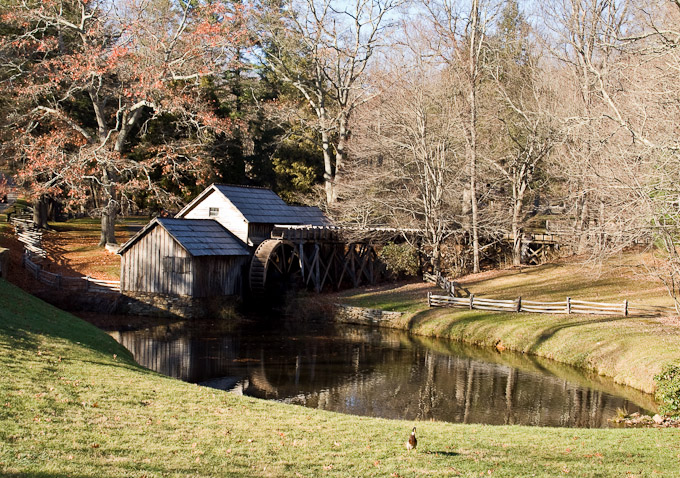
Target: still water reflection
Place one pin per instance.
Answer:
(378, 373)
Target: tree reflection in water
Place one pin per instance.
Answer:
(381, 373)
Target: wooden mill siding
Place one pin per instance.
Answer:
(258, 232)
(229, 216)
(217, 276)
(158, 264)
(145, 270)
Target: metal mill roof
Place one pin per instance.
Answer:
(200, 237)
(260, 205)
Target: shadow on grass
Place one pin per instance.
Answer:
(441, 453)
(551, 331)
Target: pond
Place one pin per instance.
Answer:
(376, 372)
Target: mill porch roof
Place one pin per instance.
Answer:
(200, 237)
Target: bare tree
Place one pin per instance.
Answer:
(461, 34)
(323, 48)
(407, 156)
(525, 108)
(624, 59)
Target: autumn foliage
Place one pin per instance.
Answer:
(111, 99)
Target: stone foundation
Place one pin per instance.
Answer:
(171, 306)
(359, 315)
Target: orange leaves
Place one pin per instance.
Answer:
(89, 98)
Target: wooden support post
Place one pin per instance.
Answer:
(519, 304)
(301, 257)
(472, 298)
(327, 268)
(625, 308)
(429, 299)
(344, 267)
(568, 305)
(317, 273)
(353, 265)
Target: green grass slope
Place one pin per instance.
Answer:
(74, 404)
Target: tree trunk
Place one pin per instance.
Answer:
(328, 176)
(436, 257)
(108, 233)
(40, 211)
(340, 153)
(473, 70)
(518, 198)
(582, 224)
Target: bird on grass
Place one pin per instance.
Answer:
(412, 441)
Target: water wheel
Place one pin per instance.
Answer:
(274, 267)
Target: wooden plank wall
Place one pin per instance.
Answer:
(230, 217)
(218, 275)
(144, 270)
(258, 232)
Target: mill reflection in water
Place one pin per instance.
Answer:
(381, 373)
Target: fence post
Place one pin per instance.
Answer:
(568, 305)
(519, 304)
(87, 283)
(472, 298)
(625, 308)
(429, 299)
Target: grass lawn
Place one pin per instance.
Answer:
(631, 350)
(73, 403)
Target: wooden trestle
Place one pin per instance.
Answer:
(318, 257)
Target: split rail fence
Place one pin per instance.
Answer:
(449, 286)
(85, 284)
(29, 235)
(569, 306)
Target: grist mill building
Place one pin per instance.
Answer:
(205, 251)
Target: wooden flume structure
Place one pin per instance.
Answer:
(319, 257)
(537, 248)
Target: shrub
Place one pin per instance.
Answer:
(668, 389)
(400, 259)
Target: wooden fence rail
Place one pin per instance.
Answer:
(570, 306)
(85, 284)
(453, 288)
(29, 235)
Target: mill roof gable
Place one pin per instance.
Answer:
(260, 205)
(199, 237)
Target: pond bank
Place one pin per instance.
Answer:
(631, 350)
(73, 403)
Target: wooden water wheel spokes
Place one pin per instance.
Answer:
(275, 266)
